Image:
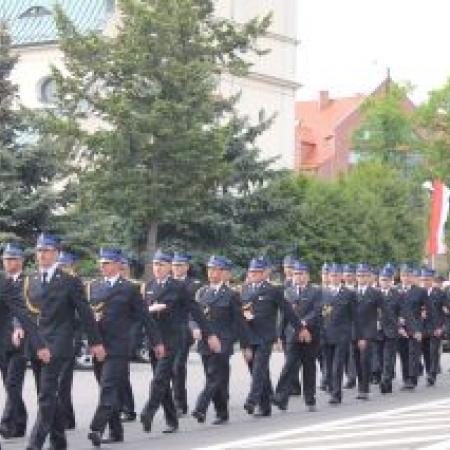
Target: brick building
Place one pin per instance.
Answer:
(324, 131)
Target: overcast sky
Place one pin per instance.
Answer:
(347, 45)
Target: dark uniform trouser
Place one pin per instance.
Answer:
(389, 352)
(110, 374)
(431, 350)
(49, 417)
(160, 392)
(14, 416)
(335, 355)
(414, 352)
(350, 364)
(260, 387)
(126, 393)
(180, 372)
(403, 351)
(65, 392)
(363, 360)
(217, 371)
(299, 355)
(377, 357)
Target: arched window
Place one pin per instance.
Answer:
(48, 91)
(36, 11)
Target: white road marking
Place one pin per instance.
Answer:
(442, 445)
(380, 443)
(331, 425)
(341, 436)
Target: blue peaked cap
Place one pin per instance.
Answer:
(219, 262)
(47, 241)
(110, 255)
(12, 251)
(363, 268)
(259, 263)
(387, 271)
(181, 258)
(288, 261)
(300, 266)
(348, 268)
(426, 272)
(66, 258)
(162, 256)
(335, 268)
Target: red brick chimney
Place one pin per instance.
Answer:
(324, 99)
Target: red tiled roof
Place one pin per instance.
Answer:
(317, 125)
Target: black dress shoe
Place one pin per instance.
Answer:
(146, 421)
(334, 401)
(220, 421)
(249, 407)
(408, 386)
(350, 384)
(5, 432)
(362, 396)
(280, 403)
(311, 408)
(295, 391)
(127, 416)
(112, 439)
(171, 429)
(96, 438)
(431, 381)
(181, 412)
(263, 413)
(376, 378)
(201, 417)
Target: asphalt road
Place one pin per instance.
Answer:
(404, 420)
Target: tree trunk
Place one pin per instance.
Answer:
(150, 249)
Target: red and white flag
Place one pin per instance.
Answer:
(440, 199)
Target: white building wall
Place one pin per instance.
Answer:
(273, 80)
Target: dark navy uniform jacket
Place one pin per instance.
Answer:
(306, 305)
(266, 302)
(365, 320)
(12, 322)
(223, 311)
(337, 311)
(117, 308)
(12, 305)
(56, 309)
(180, 303)
(414, 301)
(390, 313)
(435, 316)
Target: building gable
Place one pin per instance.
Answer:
(32, 22)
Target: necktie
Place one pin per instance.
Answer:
(44, 278)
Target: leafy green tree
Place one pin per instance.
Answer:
(371, 214)
(434, 121)
(387, 130)
(28, 166)
(158, 153)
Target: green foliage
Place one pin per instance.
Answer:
(371, 214)
(28, 166)
(387, 131)
(434, 120)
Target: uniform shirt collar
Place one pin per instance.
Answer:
(14, 277)
(50, 272)
(112, 280)
(216, 287)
